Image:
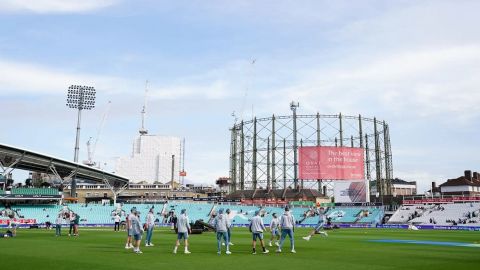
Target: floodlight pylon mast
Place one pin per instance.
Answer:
(77, 138)
(81, 98)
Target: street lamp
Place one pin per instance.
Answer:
(81, 98)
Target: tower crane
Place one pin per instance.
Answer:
(91, 148)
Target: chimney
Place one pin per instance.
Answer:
(434, 186)
(476, 176)
(468, 175)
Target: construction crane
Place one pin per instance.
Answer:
(92, 147)
(248, 86)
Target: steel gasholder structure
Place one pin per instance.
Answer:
(263, 151)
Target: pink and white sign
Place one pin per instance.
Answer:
(330, 162)
(18, 221)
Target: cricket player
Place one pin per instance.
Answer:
(322, 219)
(229, 232)
(274, 229)
(58, 225)
(221, 224)
(129, 218)
(137, 231)
(183, 229)
(256, 228)
(72, 223)
(150, 222)
(287, 223)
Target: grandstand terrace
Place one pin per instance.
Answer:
(34, 191)
(30, 194)
(93, 214)
(87, 193)
(448, 211)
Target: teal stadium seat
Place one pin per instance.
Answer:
(102, 214)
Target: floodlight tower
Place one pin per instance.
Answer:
(293, 106)
(81, 98)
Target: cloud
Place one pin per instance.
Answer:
(286, 12)
(223, 82)
(215, 90)
(54, 6)
(28, 78)
(424, 82)
(19, 77)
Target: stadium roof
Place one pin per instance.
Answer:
(396, 181)
(24, 159)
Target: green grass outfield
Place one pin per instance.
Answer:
(343, 249)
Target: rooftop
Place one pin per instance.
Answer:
(466, 180)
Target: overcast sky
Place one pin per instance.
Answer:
(414, 64)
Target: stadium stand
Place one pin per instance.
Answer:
(438, 214)
(343, 215)
(450, 214)
(406, 213)
(196, 211)
(35, 191)
(103, 214)
(374, 216)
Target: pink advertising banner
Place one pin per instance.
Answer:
(18, 221)
(330, 162)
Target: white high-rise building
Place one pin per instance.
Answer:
(151, 159)
(154, 158)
